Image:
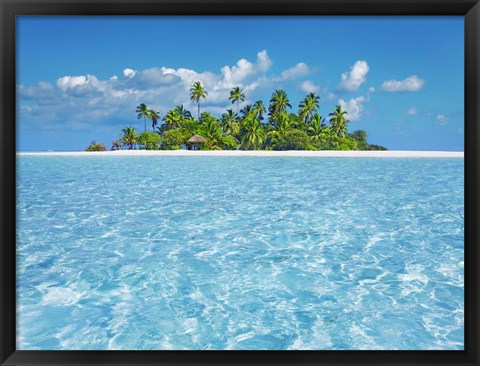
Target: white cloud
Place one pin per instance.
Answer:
(129, 73)
(442, 120)
(67, 82)
(309, 87)
(83, 85)
(263, 61)
(114, 77)
(43, 93)
(185, 75)
(412, 83)
(244, 69)
(411, 111)
(156, 77)
(371, 89)
(355, 77)
(299, 70)
(45, 86)
(252, 86)
(354, 107)
(237, 73)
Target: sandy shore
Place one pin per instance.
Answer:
(359, 154)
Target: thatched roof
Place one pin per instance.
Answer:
(195, 139)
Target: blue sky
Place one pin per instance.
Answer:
(79, 79)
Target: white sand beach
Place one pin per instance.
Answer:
(349, 154)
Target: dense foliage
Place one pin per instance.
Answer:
(254, 127)
(149, 140)
(96, 146)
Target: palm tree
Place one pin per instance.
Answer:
(285, 122)
(282, 125)
(184, 114)
(338, 121)
(330, 138)
(259, 109)
(172, 118)
(308, 107)
(142, 111)
(316, 127)
(278, 103)
(211, 130)
(154, 116)
(254, 134)
(246, 110)
(230, 123)
(129, 136)
(237, 96)
(197, 91)
(116, 144)
(361, 137)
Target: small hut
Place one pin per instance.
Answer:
(194, 142)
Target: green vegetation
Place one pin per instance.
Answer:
(95, 146)
(254, 127)
(149, 140)
(129, 137)
(237, 96)
(197, 91)
(142, 111)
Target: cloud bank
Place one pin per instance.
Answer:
(80, 101)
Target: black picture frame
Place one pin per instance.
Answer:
(9, 9)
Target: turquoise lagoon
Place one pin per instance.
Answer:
(241, 253)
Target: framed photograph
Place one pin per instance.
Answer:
(249, 183)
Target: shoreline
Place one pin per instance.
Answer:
(262, 153)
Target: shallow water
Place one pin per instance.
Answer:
(239, 253)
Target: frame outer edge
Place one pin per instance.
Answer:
(472, 180)
(7, 184)
(3, 332)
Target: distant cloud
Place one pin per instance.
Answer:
(371, 89)
(67, 82)
(129, 73)
(244, 69)
(412, 83)
(442, 120)
(411, 112)
(331, 96)
(263, 61)
(355, 77)
(309, 87)
(354, 107)
(298, 70)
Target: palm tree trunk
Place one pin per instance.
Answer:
(199, 111)
(144, 124)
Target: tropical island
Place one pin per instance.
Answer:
(251, 128)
